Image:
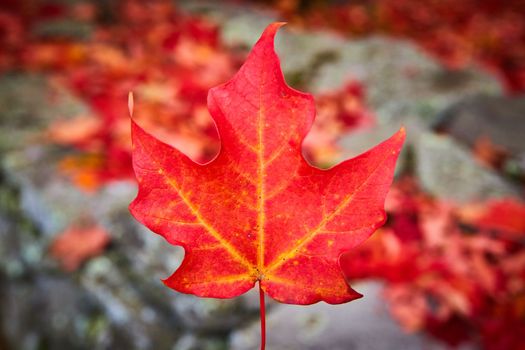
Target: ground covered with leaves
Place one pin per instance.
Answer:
(450, 258)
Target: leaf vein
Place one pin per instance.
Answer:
(282, 258)
(194, 210)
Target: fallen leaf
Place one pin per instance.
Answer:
(259, 211)
(78, 243)
(75, 130)
(488, 153)
(506, 215)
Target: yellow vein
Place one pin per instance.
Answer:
(175, 222)
(325, 291)
(284, 185)
(194, 210)
(222, 280)
(276, 154)
(241, 173)
(260, 188)
(245, 143)
(282, 258)
(280, 280)
(212, 246)
(327, 232)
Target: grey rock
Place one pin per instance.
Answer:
(64, 28)
(444, 166)
(124, 283)
(194, 342)
(215, 315)
(500, 118)
(358, 325)
(401, 81)
(447, 169)
(48, 311)
(362, 140)
(22, 117)
(133, 309)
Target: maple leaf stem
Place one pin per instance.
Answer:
(262, 311)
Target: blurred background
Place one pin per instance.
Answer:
(446, 271)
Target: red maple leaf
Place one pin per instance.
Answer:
(507, 215)
(259, 211)
(77, 244)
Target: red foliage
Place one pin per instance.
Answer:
(490, 154)
(456, 271)
(170, 60)
(505, 217)
(259, 211)
(78, 243)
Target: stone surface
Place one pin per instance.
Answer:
(401, 81)
(447, 169)
(444, 167)
(115, 300)
(499, 118)
(49, 312)
(363, 324)
(21, 101)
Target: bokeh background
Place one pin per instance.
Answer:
(446, 271)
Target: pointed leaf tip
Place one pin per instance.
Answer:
(401, 135)
(270, 31)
